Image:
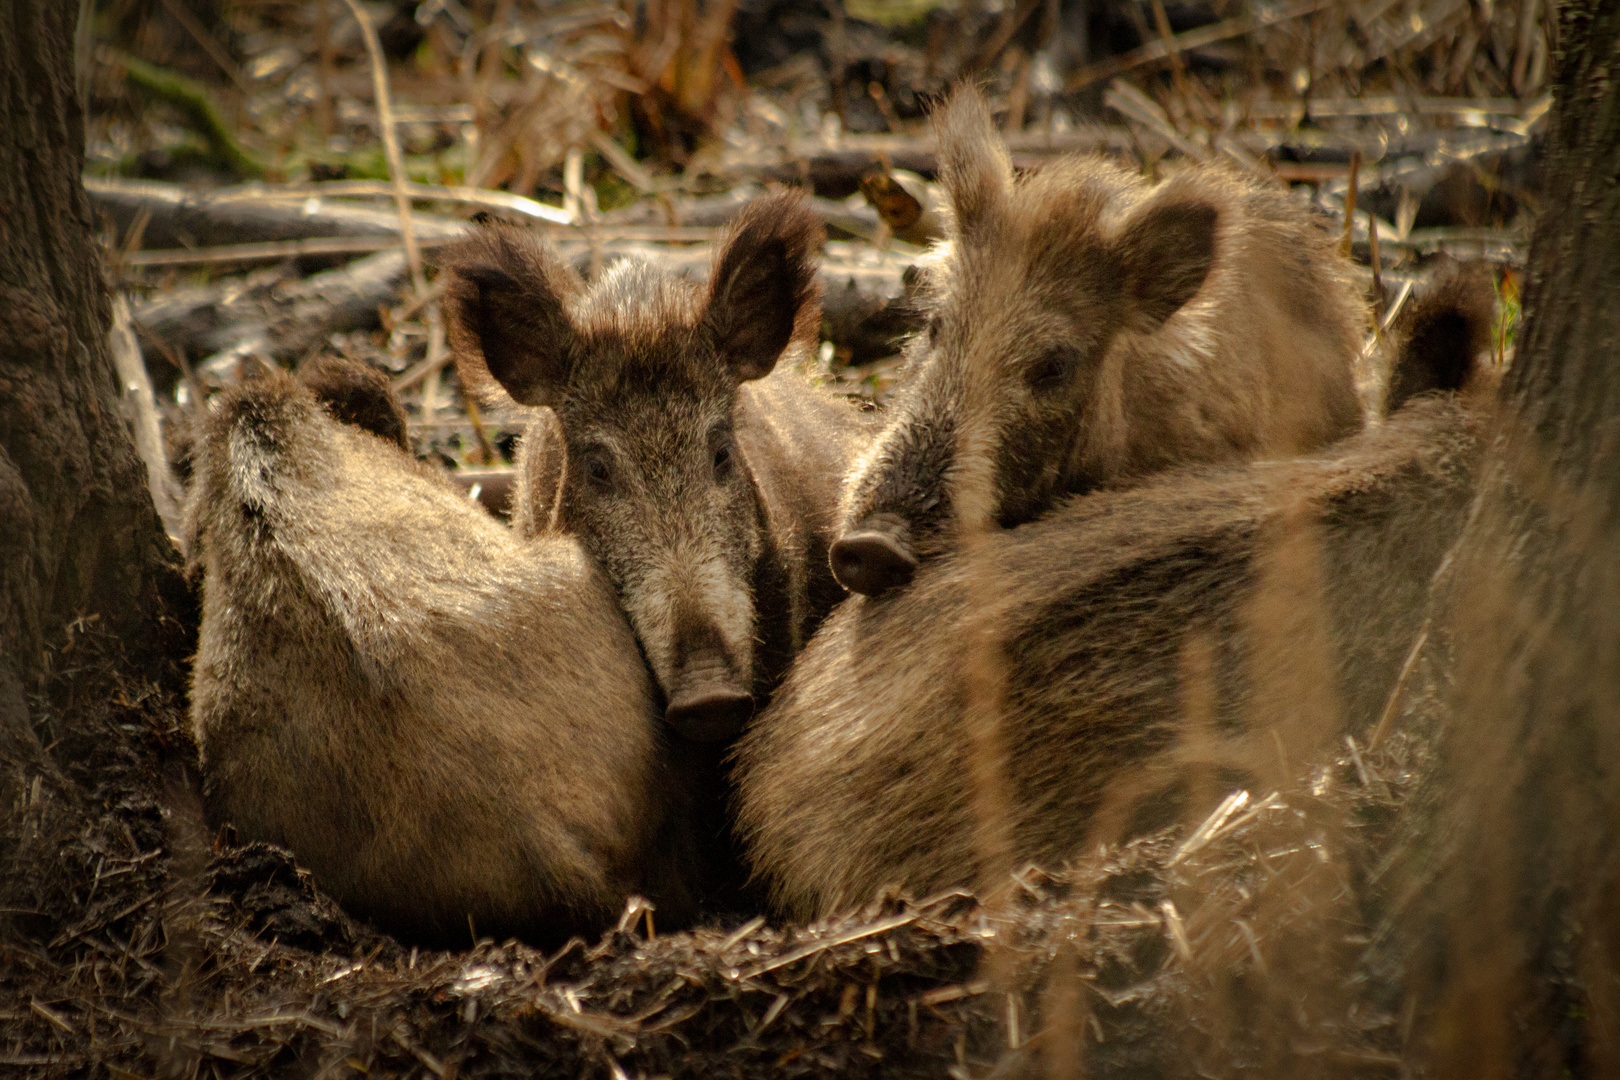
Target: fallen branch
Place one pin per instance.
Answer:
(270, 251)
(136, 387)
(470, 196)
(277, 321)
(177, 217)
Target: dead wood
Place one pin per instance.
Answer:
(179, 217)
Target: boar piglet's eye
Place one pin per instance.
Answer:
(1052, 370)
(724, 459)
(598, 472)
(933, 328)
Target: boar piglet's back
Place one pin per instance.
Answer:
(440, 721)
(1084, 328)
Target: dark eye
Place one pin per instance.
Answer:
(1051, 370)
(723, 461)
(934, 324)
(597, 471)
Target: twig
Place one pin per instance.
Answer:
(1528, 13)
(487, 450)
(210, 46)
(1192, 39)
(625, 165)
(390, 137)
(1176, 929)
(1377, 268)
(1350, 204)
(1396, 691)
(137, 390)
(326, 53)
(1178, 70)
(1388, 105)
(1012, 18)
(472, 196)
(396, 170)
(854, 934)
(1234, 802)
(275, 249)
(1131, 103)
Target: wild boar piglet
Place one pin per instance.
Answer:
(700, 474)
(1149, 650)
(1085, 327)
(442, 722)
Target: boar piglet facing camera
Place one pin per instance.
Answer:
(441, 721)
(702, 477)
(1086, 327)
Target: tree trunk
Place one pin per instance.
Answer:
(1526, 978)
(78, 533)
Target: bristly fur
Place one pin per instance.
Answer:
(358, 394)
(700, 474)
(844, 791)
(440, 721)
(1442, 333)
(974, 167)
(1086, 328)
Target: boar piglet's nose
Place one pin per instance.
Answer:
(875, 557)
(709, 714)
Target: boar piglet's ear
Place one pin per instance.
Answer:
(1166, 253)
(763, 291)
(973, 163)
(508, 306)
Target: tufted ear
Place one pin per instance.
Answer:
(541, 461)
(763, 291)
(973, 163)
(1165, 252)
(507, 303)
(358, 394)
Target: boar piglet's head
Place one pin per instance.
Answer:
(1009, 401)
(642, 369)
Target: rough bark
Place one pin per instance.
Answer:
(78, 533)
(1523, 911)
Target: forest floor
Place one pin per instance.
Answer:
(248, 209)
(137, 942)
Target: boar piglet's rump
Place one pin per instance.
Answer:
(441, 721)
(700, 474)
(1086, 327)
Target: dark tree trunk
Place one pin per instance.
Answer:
(1525, 902)
(78, 533)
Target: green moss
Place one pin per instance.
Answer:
(612, 191)
(192, 101)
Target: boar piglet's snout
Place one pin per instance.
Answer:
(896, 507)
(874, 556)
(706, 704)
